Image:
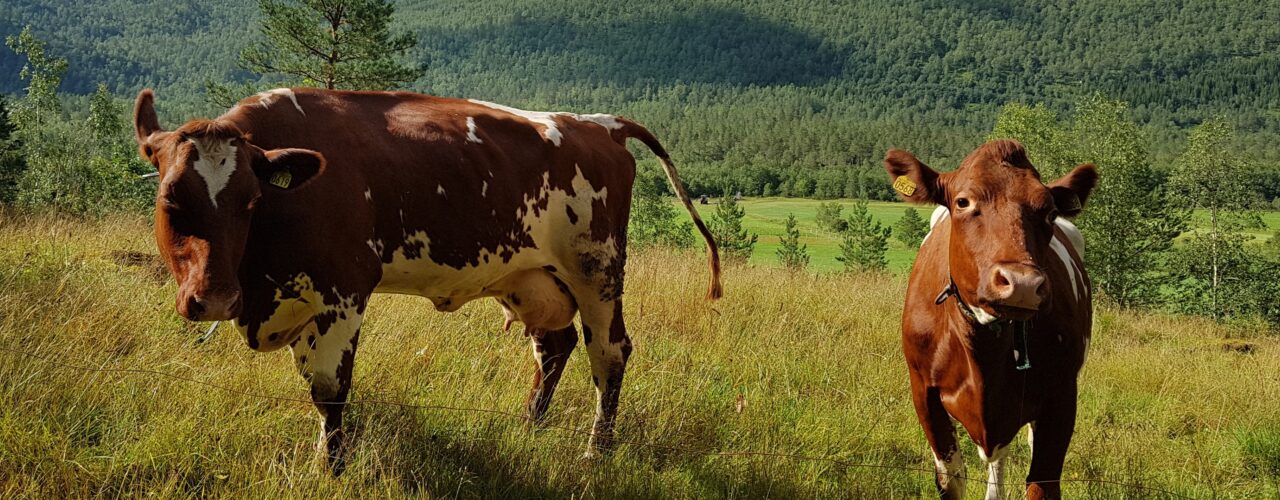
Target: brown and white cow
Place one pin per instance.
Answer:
(288, 211)
(998, 311)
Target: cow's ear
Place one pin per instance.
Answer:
(1070, 191)
(912, 180)
(145, 123)
(288, 168)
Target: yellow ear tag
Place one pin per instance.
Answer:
(281, 179)
(904, 185)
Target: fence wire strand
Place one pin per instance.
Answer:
(520, 416)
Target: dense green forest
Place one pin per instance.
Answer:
(796, 98)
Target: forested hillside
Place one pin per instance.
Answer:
(795, 98)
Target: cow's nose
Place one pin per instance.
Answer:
(214, 306)
(1017, 285)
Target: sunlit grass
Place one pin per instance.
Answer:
(815, 359)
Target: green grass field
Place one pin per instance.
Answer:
(1170, 407)
(767, 216)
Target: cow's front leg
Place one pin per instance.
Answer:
(325, 355)
(1053, 429)
(551, 352)
(941, 434)
(608, 346)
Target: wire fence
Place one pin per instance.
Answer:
(687, 451)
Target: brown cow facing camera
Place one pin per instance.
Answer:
(998, 311)
(288, 211)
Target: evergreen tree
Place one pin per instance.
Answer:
(828, 217)
(335, 44)
(725, 224)
(864, 244)
(911, 228)
(793, 255)
(655, 220)
(1212, 176)
(12, 163)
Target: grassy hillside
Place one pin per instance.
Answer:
(1167, 402)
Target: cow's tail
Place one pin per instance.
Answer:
(635, 130)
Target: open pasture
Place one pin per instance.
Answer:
(767, 216)
(102, 393)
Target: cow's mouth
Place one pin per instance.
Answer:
(1013, 313)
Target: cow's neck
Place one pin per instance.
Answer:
(966, 317)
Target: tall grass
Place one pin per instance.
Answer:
(1166, 403)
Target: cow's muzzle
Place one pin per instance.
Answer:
(1014, 289)
(210, 306)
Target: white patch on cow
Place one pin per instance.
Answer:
(297, 302)
(471, 131)
(938, 214)
(449, 288)
(1031, 436)
(484, 188)
(1076, 241)
(550, 132)
(984, 317)
(950, 472)
(216, 164)
(440, 189)
(265, 99)
(995, 472)
(368, 195)
(607, 121)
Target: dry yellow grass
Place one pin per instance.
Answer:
(815, 360)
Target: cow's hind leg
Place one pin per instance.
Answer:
(608, 346)
(551, 352)
(325, 355)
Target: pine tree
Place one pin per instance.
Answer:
(12, 163)
(335, 44)
(911, 228)
(864, 244)
(655, 220)
(725, 224)
(828, 217)
(793, 255)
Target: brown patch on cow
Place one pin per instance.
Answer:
(573, 217)
(601, 224)
(617, 328)
(325, 320)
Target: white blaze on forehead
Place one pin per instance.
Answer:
(215, 165)
(266, 98)
(471, 131)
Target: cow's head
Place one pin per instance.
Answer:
(1002, 221)
(211, 178)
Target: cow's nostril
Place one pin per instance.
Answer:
(1002, 280)
(195, 308)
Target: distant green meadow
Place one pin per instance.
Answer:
(766, 217)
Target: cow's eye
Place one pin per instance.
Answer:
(962, 203)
